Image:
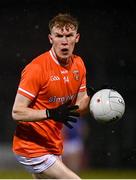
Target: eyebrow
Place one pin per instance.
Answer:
(69, 33)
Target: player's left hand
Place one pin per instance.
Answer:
(91, 90)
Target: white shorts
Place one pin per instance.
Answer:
(38, 164)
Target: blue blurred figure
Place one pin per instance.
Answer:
(74, 148)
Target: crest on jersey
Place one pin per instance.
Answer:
(76, 74)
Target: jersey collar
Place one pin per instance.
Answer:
(53, 55)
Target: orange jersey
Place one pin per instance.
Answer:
(48, 85)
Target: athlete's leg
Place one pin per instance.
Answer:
(57, 171)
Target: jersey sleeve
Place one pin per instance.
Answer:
(83, 79)
(30, 81)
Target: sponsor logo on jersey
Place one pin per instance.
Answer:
(62, 99)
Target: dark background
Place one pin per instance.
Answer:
(107, 46)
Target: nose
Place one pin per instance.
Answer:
(64, 40)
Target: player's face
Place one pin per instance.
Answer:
(63, 42)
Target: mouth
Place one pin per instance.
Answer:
(64, 50)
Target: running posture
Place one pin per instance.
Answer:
(52, 92)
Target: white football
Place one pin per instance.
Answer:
(107, 105)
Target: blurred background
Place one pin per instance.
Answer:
(108, 47)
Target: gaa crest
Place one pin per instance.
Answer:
(76, 74)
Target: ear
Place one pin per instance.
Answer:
(50, 38)
(77, 37)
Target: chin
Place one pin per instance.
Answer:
(64, 57)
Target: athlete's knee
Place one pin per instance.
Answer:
(39, 176)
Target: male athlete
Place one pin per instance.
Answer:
(51, 92)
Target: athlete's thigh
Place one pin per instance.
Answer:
(58, 171)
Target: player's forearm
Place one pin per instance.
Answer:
(83, 105)
(28, 114)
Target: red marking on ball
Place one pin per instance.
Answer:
(98, 100)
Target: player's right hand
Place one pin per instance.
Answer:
(65, 113)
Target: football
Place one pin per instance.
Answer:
(107, 105)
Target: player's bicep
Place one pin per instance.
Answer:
(23, 112)
(21, 101)
(20, 108)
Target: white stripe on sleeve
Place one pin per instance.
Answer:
(82, 87)
(26, 92)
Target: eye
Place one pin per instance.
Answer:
(69, 35)
(59, 35)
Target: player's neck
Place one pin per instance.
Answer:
(64, 62)
(61, 61)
